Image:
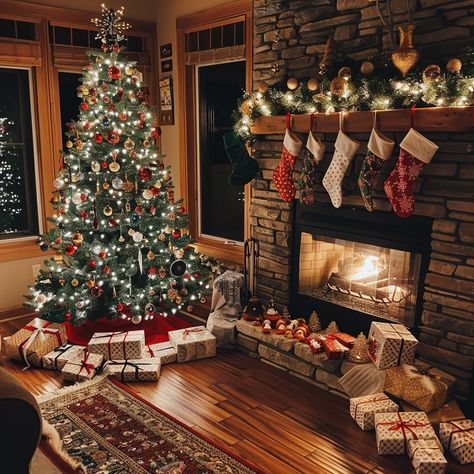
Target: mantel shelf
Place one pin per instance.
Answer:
(433, 119)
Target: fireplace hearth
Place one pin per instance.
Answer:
(359, 266)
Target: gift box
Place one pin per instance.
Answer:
(344, 338)
(448, 412)
(458, 438)
(57, 359)
(391, 345)
(193, 343)
(118, 345)
(423, 389)
(426, 456)
(136, 370)
(35, 340)
(363, 409)
(83, 366)
(394, 430)
(332, 347)
(162, 350)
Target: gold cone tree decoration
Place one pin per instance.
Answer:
(405, 56)
(359, 352)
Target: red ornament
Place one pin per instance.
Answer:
(113, 138)
(98, 138)
(176, 234)
(119, 94)
(186, 276)
(96, 291)
(120, 307)
(104, 87)
(93, 100)
(84, 106)
(104, 165)
(83, 197)
(84, 214)
(145, 174)
(112, 222)
(102, 254)
(91, 264)
(152, 271)
(152, 210)
(106, 269)
(196, 274)
(87, 126)
(123, 116)
(114, 72)
(181, 209)
(70, 250)
(67, 316)
(58, 241)
(133, 154)
(156, 132)
(106, 99)
(139, 210)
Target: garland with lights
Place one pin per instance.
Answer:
(121, 239)
(351, 91)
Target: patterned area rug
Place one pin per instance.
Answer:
(110, 429)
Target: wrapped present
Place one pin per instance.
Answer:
(118, 345)
(423, 389)
(363, 409)
(57, 359)
(448, 412)
(391, 345)
(162, 350)
(458, 438)
(83, 366)
(394, 430)
(426, 456)
(193, 343)
(314, 344)
(223, 327)
(344, 338)
(332, 347)
(34, 341)
(136, 370)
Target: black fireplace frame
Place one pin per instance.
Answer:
(376, 228)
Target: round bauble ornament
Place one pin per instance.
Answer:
(313, 84)
(69, 144)
(104, 165)
(131, 232)
(106, 185)
(80, 304)
(122, 116)
(70, 249)
(178, 268)
(95, 166)
(189, 309)
(431, 73)
(179, 253)
(117, 183)
(150, 308)
(139, 209)
(128, 71)
(129, 144)
(91, 263)
(150, 255)
(162, 237)
(106, 269)
(90, 283)
(113, 223)
(98, 138)
(262, 87)
(152, 271)
(147, 194)
(77, 238)
(176, 234)
(44, 246)
(367, 68)
(183, 291)
(292, 83)
(162, 272)
(74, 282)
(113, 137)
(146, 143)
(84, 106)
(119, 307)
(136, 319)
(137, 237)
(96, 291)
(108, 211)
(76, 198)
(145, 174)
(79, 144)
(454, 65)
(84, 214)
(114, 167)
(203, 300)
(172, 293)
(338, 86)
(345, 73)
(168, 229)
(113, 72)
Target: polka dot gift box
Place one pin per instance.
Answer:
(458, 438)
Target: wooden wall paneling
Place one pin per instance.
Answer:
(20, 53)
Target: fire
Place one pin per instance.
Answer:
(371, 267)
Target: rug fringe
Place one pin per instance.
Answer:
(72, 388)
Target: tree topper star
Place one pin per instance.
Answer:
(111, 26)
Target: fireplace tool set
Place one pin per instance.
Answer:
(254, 309)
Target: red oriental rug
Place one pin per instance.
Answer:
(109, 428)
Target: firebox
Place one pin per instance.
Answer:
(356, 267)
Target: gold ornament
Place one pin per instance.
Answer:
(338, 86)
(147, 194)
(359, 352)
(90, 284)
(107, 211)
(203, 300)
(313, 84)
(128, 71)
(330, 55)
(189, 309)
(99, 60)
(61, 281)
(405, 56)
(292, 83)
(367, 68)
(168, 229)
(129, 144)
(69, 144)
(178, 300)
(431, 73)
(95, 166)
(114, 167)
(77, 238)
(345, 73)
(58, 257)
(150, 255)
(74, 282)
(74, 178)
(162, 237)
(79, 145)
(172, 293)
(246, 108)
(106, 185)
(131, 232)
(454, 65)
(262, 87)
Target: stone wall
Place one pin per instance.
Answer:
(290, 36)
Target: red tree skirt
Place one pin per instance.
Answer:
(156, 329)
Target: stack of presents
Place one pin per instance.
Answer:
(122, 354)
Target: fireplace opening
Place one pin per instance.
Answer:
(357, 266)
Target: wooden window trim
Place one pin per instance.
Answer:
(38, 55)
(225, 14)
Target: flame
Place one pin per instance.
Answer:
(370, 267)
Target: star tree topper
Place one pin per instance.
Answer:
(111, 26)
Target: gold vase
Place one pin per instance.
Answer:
(406, 56)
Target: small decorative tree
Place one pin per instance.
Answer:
(359, 351)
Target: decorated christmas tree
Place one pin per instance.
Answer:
(121, 241)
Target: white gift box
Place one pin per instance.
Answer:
(193, 343)
(426, 456)
(134, 370)
(118, 345)
(161, 350)
(57, 359)
(83, 366)
(458, 438)
(363, 409)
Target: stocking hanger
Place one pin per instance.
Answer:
(288, 121)
(374, 125)
(312, 122)
(341, 121)
(412, 116)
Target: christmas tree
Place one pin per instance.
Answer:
(121, 240)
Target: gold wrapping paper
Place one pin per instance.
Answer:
(448, 412)
(134, 370)
(35, 340)
(162, 350)
(193, 343)
(458, 438)
(82, 367)
(391, 345)
(394, 430)
(426, 456)
(363, 409)
(118, 345)
(424, 390)
(57, 359)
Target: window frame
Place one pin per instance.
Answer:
(39, 56)
(188, 131)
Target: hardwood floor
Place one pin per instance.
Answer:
(278, 422)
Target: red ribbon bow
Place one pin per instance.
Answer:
(186, 332)
(378, 398)
(459, 429)
(404, 426)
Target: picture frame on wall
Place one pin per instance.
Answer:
(167, 66)
(166, 50)
(166, 101)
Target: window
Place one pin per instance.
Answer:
(69, 102)
(18, 206)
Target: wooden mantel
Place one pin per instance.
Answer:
(433, 119)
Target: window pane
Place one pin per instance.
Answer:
(228, 35)
(7, 28)
(239, 33)
(193, 42)
(135, 44)
(216, 37)
(80, 37)
(94, 43)
(221, 204)
(17, 176)
(62, 35)
(26, 30)
(204, 40)
(68, 100)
